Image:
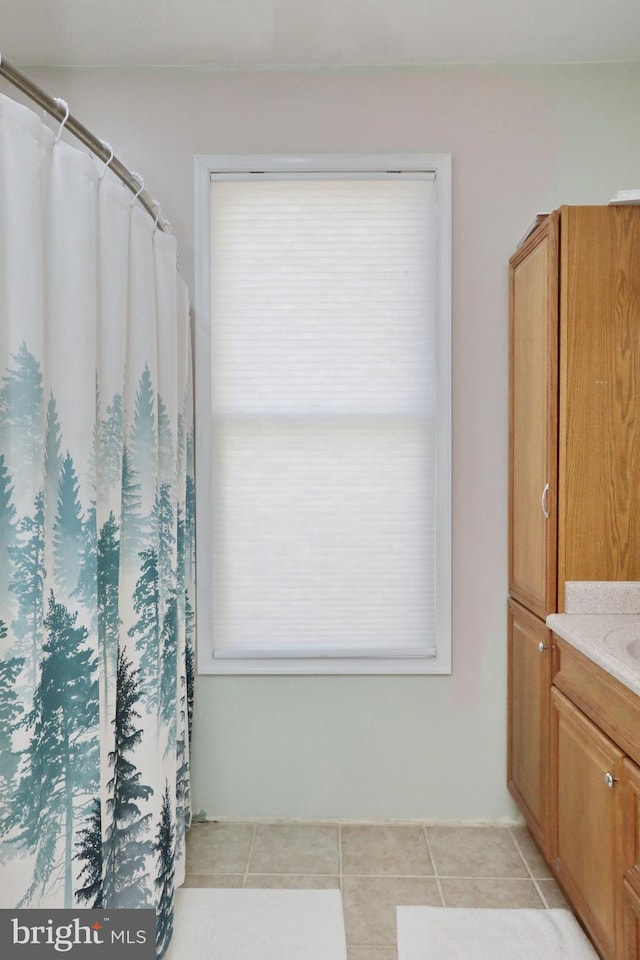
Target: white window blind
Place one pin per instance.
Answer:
(324, 343)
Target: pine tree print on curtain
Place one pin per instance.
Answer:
(165, 877)
(97, 560)
(61, 769)
(127, 846)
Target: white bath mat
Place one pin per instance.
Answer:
(451, 933)
(228, 924)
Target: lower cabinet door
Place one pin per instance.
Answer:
(586, 822)
(529, 665)
(631, 923)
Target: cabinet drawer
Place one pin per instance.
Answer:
(612, 706)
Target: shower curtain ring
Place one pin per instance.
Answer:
(62, 103)
(154, 203)
(140, 179)
(108, 147)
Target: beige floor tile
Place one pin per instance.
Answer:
(475, 852)
(283, 881)
(371, 953)
(490, 892)
(535, 860)
(213, 880)
(370, 906)
(399, 851)
(295, 848)
(553, 894)
(218, 847)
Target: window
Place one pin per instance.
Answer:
(323, 414)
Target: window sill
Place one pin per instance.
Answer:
(324, 666)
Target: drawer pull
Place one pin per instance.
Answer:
(542, 647)
(610, 780)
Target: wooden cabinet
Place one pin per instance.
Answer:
(594, 804)
(574, 463)
(529, 659)
(574, 515)
(574, 458)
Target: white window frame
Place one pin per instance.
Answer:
(282, 165)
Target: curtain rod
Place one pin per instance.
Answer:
(59, 110)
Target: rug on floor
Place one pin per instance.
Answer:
(456, 933)
(229, 924)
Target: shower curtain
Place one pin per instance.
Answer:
(96, 536)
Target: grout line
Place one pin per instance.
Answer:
(340, 871)
(540, 893)
(391, 876)
(534, 880)
(373, 946)
(485, 876)
(249, 854)
(268, 873)
(436, 875)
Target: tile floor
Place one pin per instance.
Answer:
(377, 867)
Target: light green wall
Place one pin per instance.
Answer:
(523, 140)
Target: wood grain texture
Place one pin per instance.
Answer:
(599, 444)
(631, 824)
(574, 410)
(615, 710)
(607, 702)
(586, 822)
(533, 419)
(631, 942)
(529, 689)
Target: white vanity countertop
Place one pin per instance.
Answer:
(610, 640)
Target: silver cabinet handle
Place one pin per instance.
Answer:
(609, 779)
(543, 501)
(542, 647)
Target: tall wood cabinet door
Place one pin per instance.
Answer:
(529, 691)
(599, 453)
(585, 821)
(533, 425)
